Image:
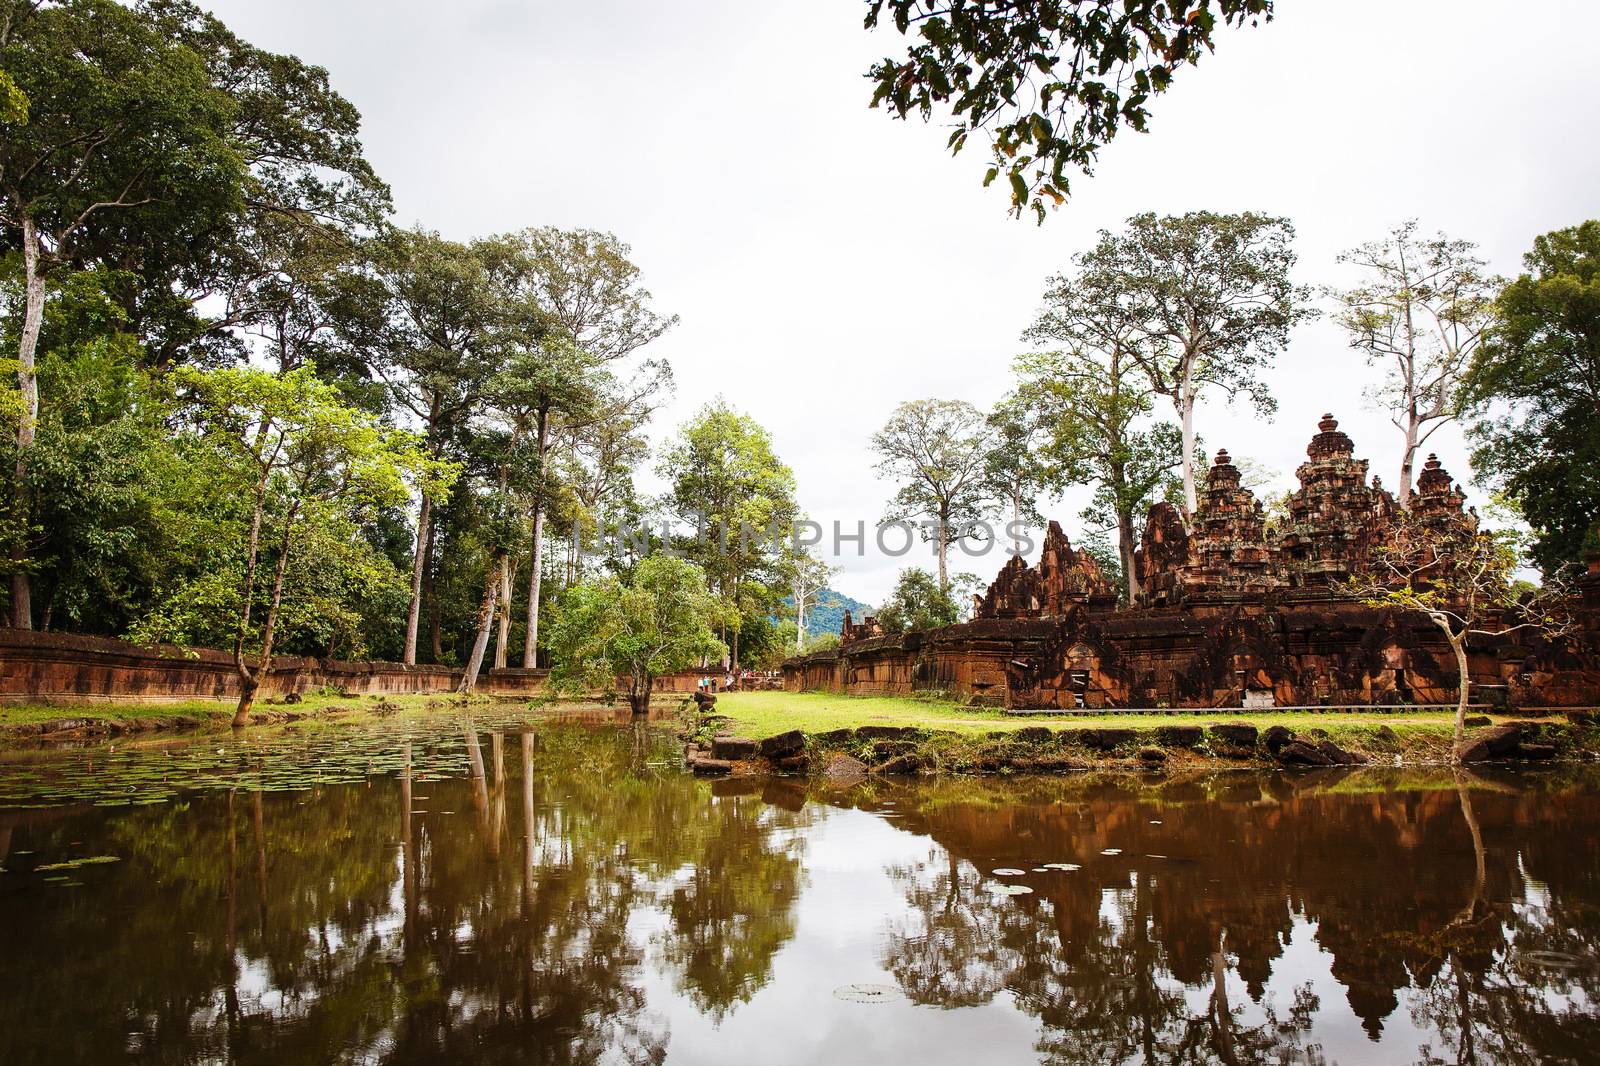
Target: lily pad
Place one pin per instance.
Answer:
(1008, 871)
(73, 864)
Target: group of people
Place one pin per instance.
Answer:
(709, 684)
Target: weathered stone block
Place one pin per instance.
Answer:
(1498, 743)
(711, 767)
(733, 748)
(900, 765)
(1299, 753)
(1276, 737)
(784, 744)
(1236, 734)
(1180, 736)
(1105, 738)
(1537, 751)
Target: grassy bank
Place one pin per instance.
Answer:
(944, 735)
(762, 714)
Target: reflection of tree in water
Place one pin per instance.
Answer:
(734, 908)
(1492, 972)
(1102, 998)
(1128, 959)
(490, 925)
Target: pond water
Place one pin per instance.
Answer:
(562, 892)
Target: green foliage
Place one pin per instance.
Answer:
(104, 86)
(938, 451)
(1049, 81)
(658, 622)
(13, 102)
(727, 483)
(917, 602)
(1534, 388)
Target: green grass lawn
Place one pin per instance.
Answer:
(761, 714)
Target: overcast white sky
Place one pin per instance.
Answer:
(828, 262)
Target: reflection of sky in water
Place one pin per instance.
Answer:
(1343, 886)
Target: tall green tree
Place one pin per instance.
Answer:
(1534, 392)
(1419, 312)
(1092, 400)
(1094, 413)
(918, 602)
(1204, 302)
(581, 287)
(127, 143)
(725, 479)
(302, 455)
(1014, 468)
(936, 450)
(1048, 82)
(662, 620)
(426, 318)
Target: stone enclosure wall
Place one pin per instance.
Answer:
(66, 669)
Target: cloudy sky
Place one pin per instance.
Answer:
(828, 263)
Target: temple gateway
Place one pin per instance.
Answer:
(1233, 611)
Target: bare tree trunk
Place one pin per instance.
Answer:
(1458, 644)
(1125, 554)
(1408, 459)
(1408, 371)
(27, 424)
(1016, 521)
(530, 647)
(944, 550)
(502, 636)
(480, 644)
(418, 564)
(1191, 499)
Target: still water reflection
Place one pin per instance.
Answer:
(566, 894)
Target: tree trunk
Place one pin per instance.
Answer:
(1125, 553)
(1016, 520)
(418, 564)
(530, 647)
(944, 549)
(639, 697)
(251, 683)
(502, 636)
(247, 591)
(1458, 644)
(480, 644)
(1408, 375)
(1191, 500)
(1408, 459)
(27, 423)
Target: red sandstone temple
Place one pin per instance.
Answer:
(1232, 611)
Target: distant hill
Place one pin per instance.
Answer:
(827, 614)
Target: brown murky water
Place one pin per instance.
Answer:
(431, 894)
